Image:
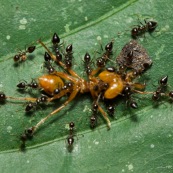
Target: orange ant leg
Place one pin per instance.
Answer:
(22, 99)
(94, 72)
(71, 97)
(60, 62)
(101, 110)
(105, 117)
(138, 86)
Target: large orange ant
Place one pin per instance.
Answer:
(149, 26)
(107, 83)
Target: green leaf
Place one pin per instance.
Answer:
(139, 141)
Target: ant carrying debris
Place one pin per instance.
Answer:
(141, 29)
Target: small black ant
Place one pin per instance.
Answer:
(25, 85)
(22, 55)
(101, 62)
(161, 88)
(70, 138)
(68, 56)
(87, 63)
(149, 26)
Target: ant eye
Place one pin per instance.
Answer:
(16, 58)
(55, 39)
(69, 48)
(31, 49)
(47, 57)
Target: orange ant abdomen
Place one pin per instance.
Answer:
(115, 83)
(50, 82)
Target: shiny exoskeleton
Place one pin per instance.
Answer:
(22, 56)
(141, 29)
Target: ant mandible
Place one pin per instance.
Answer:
(149, 26)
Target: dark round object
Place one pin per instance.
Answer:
(2, 96)
(29, 107)
(110, 69)
(87, 58)
(163, 81)
(55, 39)
(16, 58)
(109, 47)
(43, 98)
(21, 85)
(57, 91)
(70, 140)
(31, 49)
(133, 105)
(47, 57)
(69, 48)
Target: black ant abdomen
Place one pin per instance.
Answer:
(22, 85)
(55, 39)
(69, 48)
(109, 47)
(47, 57)
(31, 49)
(133, 105)
(163, 81)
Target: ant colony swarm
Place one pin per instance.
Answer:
(104, 83)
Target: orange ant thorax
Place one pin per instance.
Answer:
(50, 82)
(115, 84)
